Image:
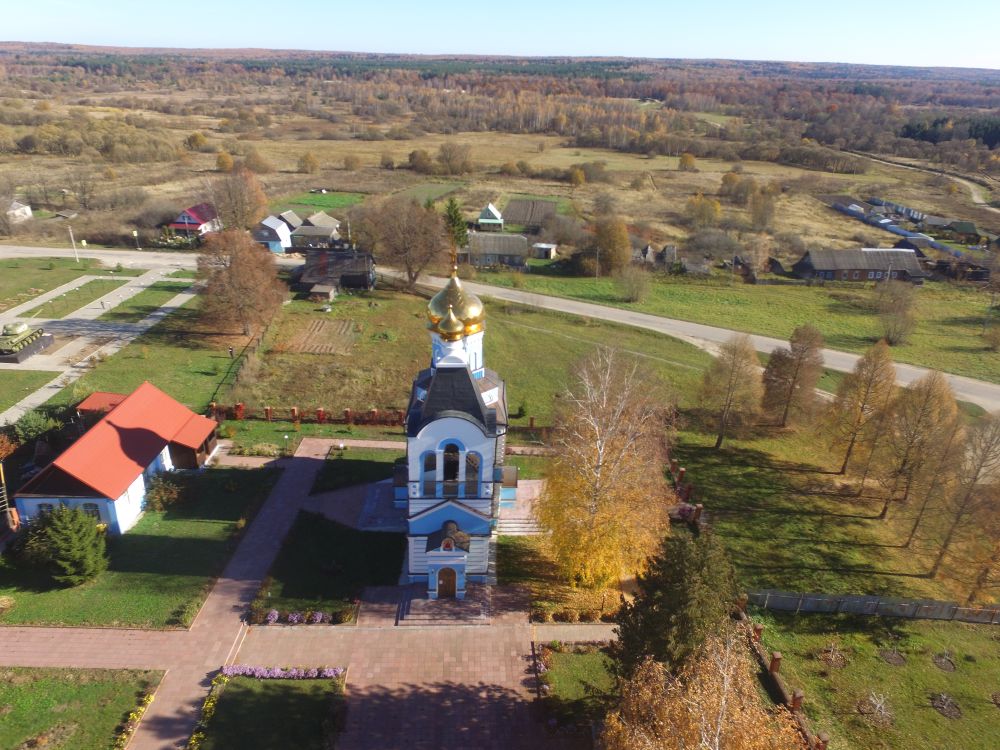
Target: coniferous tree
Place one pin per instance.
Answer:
(455, 222)
(791, 374)
(732, 386)
(862, 401)
(685, 596)
(76, 545)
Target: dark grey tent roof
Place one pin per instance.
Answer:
(498, 244)
(875, 259)
(451, 392)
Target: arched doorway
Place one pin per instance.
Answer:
(446, 583)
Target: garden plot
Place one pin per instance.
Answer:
(322, 337)
(529, 213)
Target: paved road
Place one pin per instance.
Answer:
(153, 259)
(986, 395)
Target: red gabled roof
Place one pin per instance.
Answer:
(100, 401)
(203, 212)
(116, 450)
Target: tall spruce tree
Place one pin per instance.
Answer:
(455, 222)
(686, 595)
(76, 545)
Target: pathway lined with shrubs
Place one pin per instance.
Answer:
(415, 687)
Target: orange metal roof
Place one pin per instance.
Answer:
(100, 401)
(116, 450)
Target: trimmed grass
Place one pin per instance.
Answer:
(24, 278)
(247, 433)
(355, 466)
(145, 303)
(431, 191)
(524, 561)
(832, 693)
(266, 714)
(160, 571)
(949, 318)
(581, 685)
(71, 708)
(324, 565)
(74, 299)
(183, 273)
(309, 203)
(529, 467)
(16, 384)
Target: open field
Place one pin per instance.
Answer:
(265, 714)
(949, 318)
(837, 681)
(21, 279)
(323, 566)
(146, 302)
(16, 384)
(431, 191)
(70, 708)
(159, 572)
(74, 299)
(308, 203)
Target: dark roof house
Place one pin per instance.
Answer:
(492, 249)
(339, 269)
(865, 264)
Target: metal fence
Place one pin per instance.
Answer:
(873, 606)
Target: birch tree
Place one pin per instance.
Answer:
(605, 499)
(732, 385)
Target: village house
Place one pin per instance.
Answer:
(327, 272)
(274, 234)
(486, 249)
(106, 473)
(865, 264)
(291, 219)
(490, 219)
(197, 220)
(307, 236)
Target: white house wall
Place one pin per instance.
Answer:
(128, 507)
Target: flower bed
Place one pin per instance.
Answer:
(124, 733)
(277, 673)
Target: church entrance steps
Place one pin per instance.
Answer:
(475, 609)
(517, 526)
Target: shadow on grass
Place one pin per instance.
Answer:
(348, 470)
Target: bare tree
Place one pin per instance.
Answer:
(862, 400)
(978, 476)
(604, 501)
(83, 183)
(239, 199)
(896, 302)
(791, 374)
(940, 476)
(732, 385)
(454, 158)
(402, 233)
(241, 281)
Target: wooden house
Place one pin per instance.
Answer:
(865, 264)
(490, 219)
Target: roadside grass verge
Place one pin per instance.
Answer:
(160, 571)
(73, 300)
(839, 661)
(77, 708)
(145, 303)
(24, 278)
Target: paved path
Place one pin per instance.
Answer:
(986, 395)
(100, 337)
(421, 686)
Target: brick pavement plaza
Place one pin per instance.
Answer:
(415, 687)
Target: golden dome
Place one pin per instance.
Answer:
(450, 327)
(466, 307)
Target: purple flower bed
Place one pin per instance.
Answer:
(272, 617)
(277, 673)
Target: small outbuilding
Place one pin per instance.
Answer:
(490, 219)
(544, 251)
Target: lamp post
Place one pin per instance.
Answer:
(135, 236)
(286, 445)
(73, 241)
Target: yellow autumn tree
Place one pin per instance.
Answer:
(605, 498)
(712, 704)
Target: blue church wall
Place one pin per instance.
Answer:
(470, 523)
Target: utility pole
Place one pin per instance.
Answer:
(597, 268)
(135, 236)
(73, 240)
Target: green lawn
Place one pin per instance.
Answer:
(309, 203)
(355, 466)
(247, 433)
(532, 350)
(16, 384)
(267, 714)
(160, 571)
(528, 467)
(67, 708)
(74, 299)
(790, 524)
(183, 273)
(580, 682)
(324, 565)
(24, 278)
(176, 355)
(947, 334)
(146, 302)
(431, 191)
(833, 691)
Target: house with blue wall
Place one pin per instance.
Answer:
(107, 471)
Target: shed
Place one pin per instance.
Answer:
(317, 237)
(544, 251)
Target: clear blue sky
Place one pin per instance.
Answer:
(908, 32)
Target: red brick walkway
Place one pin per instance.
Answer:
(417, 687)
